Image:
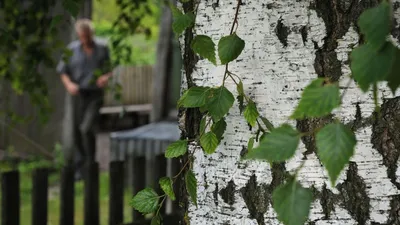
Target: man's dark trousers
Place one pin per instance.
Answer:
(80, 126)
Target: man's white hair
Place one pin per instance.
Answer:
(84, 25)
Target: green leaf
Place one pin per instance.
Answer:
(182, 21)
(195, 97)
(240, 96)
(55, 21)
(72, 7)
(369, 66)
(145, 201)
(203, 125)
(166, 186)
(250, 144)
(277, 146)
(394, 76)
(229, 48)
(176, 149)
(219, 128)
(292, 203)
(251, 113)
(156, 220)
(267, 123)
(375, 23)
(335, 143)
(209, 142)
(205, 47)
(191, 186)
(220, 102)
(317, 100)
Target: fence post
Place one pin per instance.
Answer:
(67, 196)
(91, 201)
(139, 181)
(39, 196)
(116, 193)
(10, 198)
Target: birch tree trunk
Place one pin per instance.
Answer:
(288, 44)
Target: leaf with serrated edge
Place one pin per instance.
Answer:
(145, 201)
(191, 186)
(205, 47)
(195, 97)
(267, 123)
(219, 103)
(166, 186)
(277, 146)
(156, 220)
(292, 203)
(203, 125)
(250, 144)
(219, 128)
(317, 100)
(176, 149)
(240, 96)
(335, 143)
(182, 22)
(369, 66)
(229, 48)
(375, 23)
(251, 113)
(394, 77)
(209, 142)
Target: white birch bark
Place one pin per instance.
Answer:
(284, 43)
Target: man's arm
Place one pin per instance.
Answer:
(64, 71)
(102, 81)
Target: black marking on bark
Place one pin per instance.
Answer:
(328, 200)
(338, 15)
(215, 4)
(354, 195)
(215, 194)
(228, 193)
(257, 198)
(304, 34)
(386, 136)
(394, 214)
(282, 32)
(309, 125)
(244, 151)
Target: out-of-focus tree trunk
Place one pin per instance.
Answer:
(162, 68)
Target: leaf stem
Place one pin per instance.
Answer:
(235, 21)
(183, 168)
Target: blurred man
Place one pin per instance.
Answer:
(84, 74)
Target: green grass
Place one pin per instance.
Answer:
(54, 200)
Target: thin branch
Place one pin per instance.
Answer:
(183, 168)
(41, 149)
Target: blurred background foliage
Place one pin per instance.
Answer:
(143, 42)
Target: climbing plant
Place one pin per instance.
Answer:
(372, 62)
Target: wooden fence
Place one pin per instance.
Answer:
(10, 195)
(136, 83)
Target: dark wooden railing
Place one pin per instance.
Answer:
(10, 194)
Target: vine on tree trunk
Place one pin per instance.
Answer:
(374, 61)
